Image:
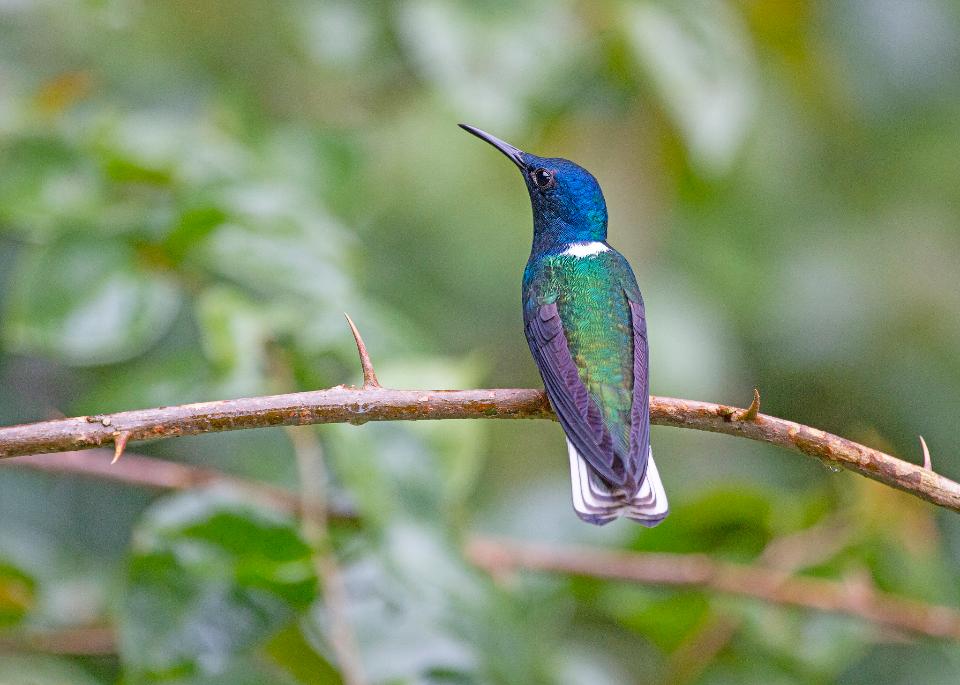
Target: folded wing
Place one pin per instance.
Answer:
(607, 481)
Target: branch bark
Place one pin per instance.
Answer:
(372, 402)
(344, 404)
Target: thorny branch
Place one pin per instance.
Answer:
(344, 404)
(769, 579)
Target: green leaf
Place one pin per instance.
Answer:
(402, 622)
(36, 168)
(508, 55)
(17, 594)
(290, 650)
(87, 302)
(664, 617)
(421, 614)
(735, 522)
(699, 57)
(276, 252)
(42, 670)
(455, 448)
(252, 670)
(176, 372)
(234, 340)
(930, 664)
(210, 578)
(195, 224)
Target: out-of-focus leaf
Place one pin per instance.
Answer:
(488, 63)
(210, 577)
(694, 351)
(736, 522)
(897, 55)
(664, 617)
(171, 375)
(930, 664)
(252, 670)
(815, 642)
(698, 56)
(18, 669)
(87, 302)
(422, 615)
(152, 147)
(456, 447)
(577, 666)
(45, 178)
(17, 594)
(234, 340)
(278, 247)
(291, 651)
(403, 636)
(752, 667)
(124, 170)
(194, 224)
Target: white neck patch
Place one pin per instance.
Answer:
(589, 249)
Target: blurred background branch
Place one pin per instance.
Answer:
(761, 582)
(771, 579)
(82, 641)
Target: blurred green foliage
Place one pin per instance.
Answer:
(192, 192)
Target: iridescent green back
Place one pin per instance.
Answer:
(590, 297)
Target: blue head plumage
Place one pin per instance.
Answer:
(568, 205)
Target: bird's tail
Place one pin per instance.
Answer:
(596, 502)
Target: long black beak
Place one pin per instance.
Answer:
(506, 148)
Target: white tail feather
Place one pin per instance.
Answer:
(595, 502)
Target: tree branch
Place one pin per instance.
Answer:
(158, 474)
(769, 580)
(701, 571)
(76, 641)
(345, 404)
(789, 553)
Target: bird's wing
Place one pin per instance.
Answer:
(577, 410)
(636, 462)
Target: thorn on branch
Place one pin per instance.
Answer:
(120, 439)
(927, 462)
(750, 413)
(369, 377)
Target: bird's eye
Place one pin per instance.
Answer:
(542, 178)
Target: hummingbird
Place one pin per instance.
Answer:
(585, 324)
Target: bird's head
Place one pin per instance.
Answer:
(568, 205)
